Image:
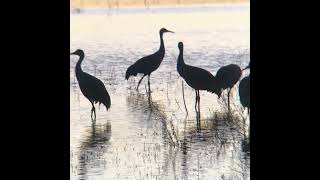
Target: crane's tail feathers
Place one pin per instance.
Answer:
(107, 106)
(215, 88)
(106, 102)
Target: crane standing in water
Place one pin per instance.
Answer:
(197, 78)
(91, 87)
(227, 77)
(244, 91)
(148, 64)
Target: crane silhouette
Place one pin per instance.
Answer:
(244, 91)
(148, 64)
(227, 77)
(91, 87)
(197, 78)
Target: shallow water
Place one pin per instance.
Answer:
(135, 140)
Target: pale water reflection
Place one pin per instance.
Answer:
(136, 140)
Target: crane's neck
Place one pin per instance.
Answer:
(78, 66)
(180, 58)
(180, 63)
(162, 50)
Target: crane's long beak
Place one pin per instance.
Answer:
(72, 53)
(170, 31)
(246, 68)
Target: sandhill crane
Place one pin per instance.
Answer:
(244, 91)
(227, 77)
(91, 87)
(197, 78)
(148, 64)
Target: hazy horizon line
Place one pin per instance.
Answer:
(77, 4)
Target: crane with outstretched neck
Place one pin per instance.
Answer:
(91, 87)
(197, 78)
(148, 64)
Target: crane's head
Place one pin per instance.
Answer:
(248, 67)
(164, 30)
(78, 52)
(180, 46)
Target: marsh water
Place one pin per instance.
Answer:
(136, 139)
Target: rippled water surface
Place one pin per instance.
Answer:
(138, 140)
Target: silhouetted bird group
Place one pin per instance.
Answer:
(197, 78)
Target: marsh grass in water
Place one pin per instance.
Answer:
(156, 139)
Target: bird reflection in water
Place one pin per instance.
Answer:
(92, 150)
(184, 149)
(191, 148)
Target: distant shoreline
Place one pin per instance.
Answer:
(80, 4)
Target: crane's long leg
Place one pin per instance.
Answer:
(149, 91)
(197, 111)
(149, 84)
(91, 113)
(140, 82)
(199, 104)
(229, 99)
(195, 105)
(199, 118)
(93, 110)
